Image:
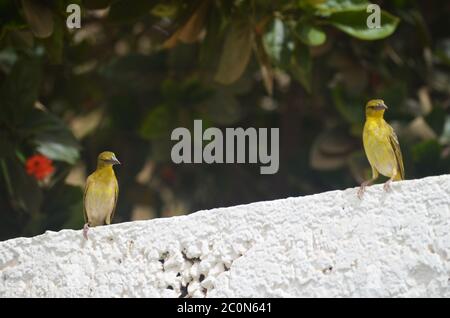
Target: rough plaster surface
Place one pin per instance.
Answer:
(329, 244)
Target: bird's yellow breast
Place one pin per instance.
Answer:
(100, 197)
(378, 147)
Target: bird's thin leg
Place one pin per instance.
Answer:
(85, 230)
(363, 186)
(387, 185)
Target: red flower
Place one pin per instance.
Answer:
(39, 166)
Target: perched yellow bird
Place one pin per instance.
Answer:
(381, 146)
(101, 191)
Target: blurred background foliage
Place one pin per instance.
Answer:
(137, 69)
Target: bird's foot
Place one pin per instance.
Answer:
(85, 230)
(387, 186)
(362, 189)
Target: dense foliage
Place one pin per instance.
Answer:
(137, 69)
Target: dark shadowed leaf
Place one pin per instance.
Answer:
(426, 156)
(236, 53)
(436, 119)
(20, 90)
(10, 17)
(351, 109)
(64, 207)
(20, 38)
(7, 145)
(26, 194)
(39, 17)
(190, 32)
(124, 11)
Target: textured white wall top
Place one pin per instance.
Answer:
(329, 244)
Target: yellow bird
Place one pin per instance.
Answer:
(381, 146)
(101, 191)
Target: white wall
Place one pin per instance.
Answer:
(329, 244)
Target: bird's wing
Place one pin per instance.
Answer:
(393, 140)
(116, 195)
(88, 183)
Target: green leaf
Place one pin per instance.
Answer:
(310, 35)
(291, 56)
(328, 7)
(165, 10)
(301, 66)
(236, 53)
(39, 17)
(274, 40)
(51, 137)
(57, 150)
(279, 45)
(354, 23)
